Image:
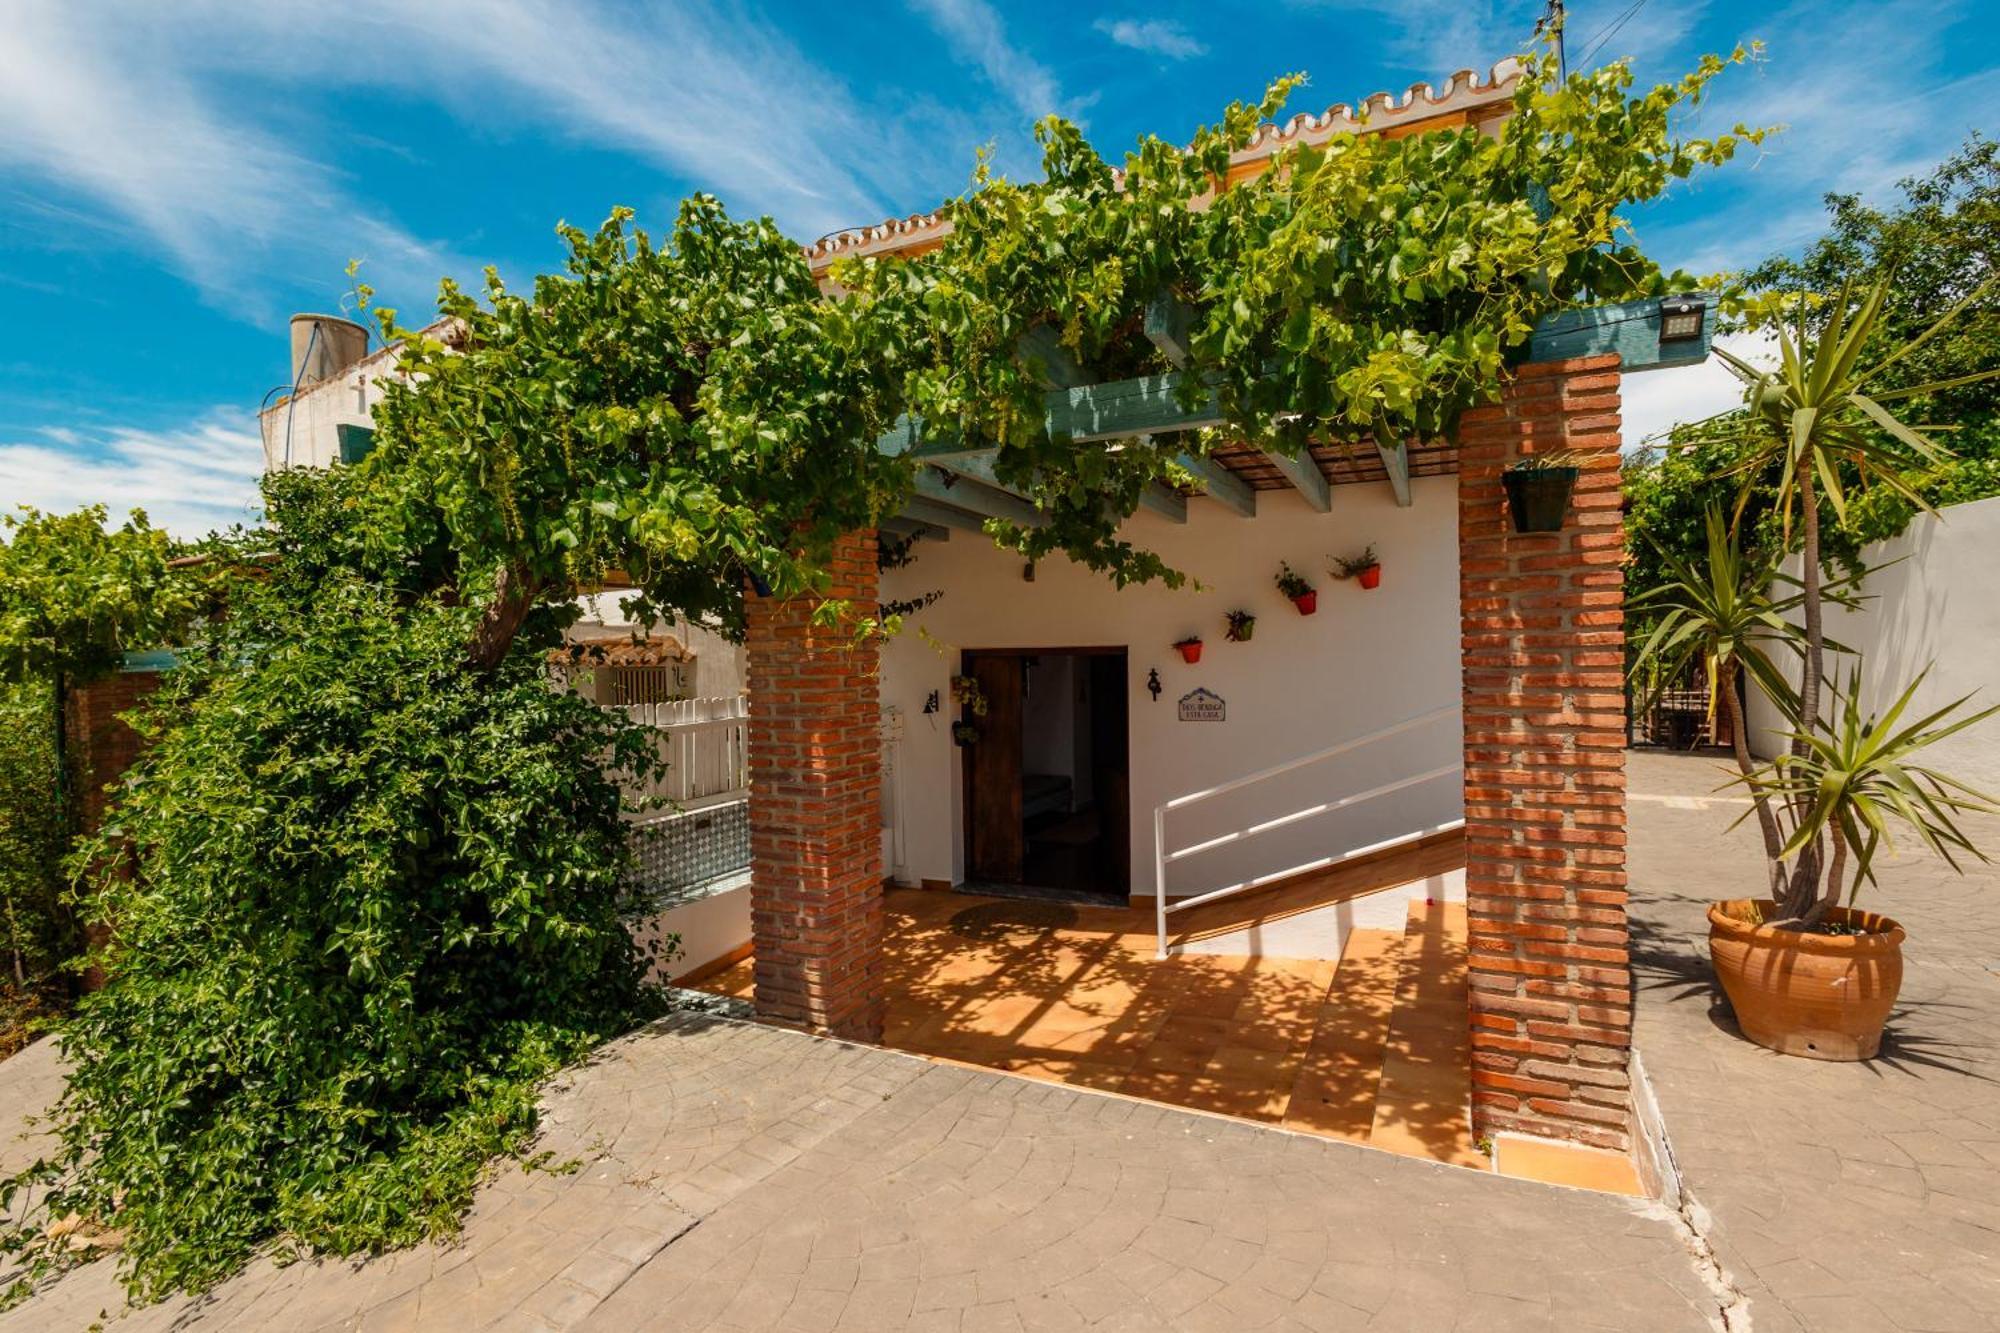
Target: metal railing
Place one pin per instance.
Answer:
(1162, 857)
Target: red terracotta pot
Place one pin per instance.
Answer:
(1307, 602)
(1825, 997)
(1371, 577)
(1190, 652)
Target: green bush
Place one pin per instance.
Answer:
(377, 897)
(38, 927)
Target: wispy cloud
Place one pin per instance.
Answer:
(190, 479)
(1160, 37)
(176, 130)
(87, 107)
(978, 36)
(1887, 62)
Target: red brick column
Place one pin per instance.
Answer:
(815, 808)
(100, 746)
(1543, 640)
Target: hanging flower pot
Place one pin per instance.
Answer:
(1302, 594)
(1241, 626)
(1364, 568)
(1190, 650)
(1538, 489)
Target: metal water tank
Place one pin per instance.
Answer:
(323, 346)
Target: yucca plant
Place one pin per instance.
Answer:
(1856, 776)
(1728, 614)
(1814, 422)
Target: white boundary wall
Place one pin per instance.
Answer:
(1939, 606)
(1366, 659)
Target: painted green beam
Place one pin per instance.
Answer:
(1041, 350)
(1150, 404)
(977, 496)
(1221, 485)
(1629, 328)
(942, 515)
(1305, 476)
(1144, 406)
(1396, 462)
(906, 526)
(1168, 320)
(1168, 503)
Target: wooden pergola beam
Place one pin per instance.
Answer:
(1305, 476)
(1221, 485)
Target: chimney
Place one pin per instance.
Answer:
(323, 346)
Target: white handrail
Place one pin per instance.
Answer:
(1161, 856)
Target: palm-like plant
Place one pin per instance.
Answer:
(1814, 422)
(1856, 776)
(1726, 614)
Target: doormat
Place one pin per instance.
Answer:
(989, 923)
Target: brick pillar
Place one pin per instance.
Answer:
(100, 746)
(815, 808)
(1543, 645)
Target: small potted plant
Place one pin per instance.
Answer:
(1364, 567)
(1189, 649)
(1242, 625)
(1303, 595)
(964, 733)
(1538, 488)
(965, 691)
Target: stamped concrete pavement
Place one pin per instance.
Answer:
(743, 1177)
(1837, 1196)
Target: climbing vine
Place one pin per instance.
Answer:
(1370, 289)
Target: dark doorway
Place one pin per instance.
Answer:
(1047, 787)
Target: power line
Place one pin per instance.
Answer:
(1607, 33)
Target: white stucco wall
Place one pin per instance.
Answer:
(1365, 660)
(1938, 607)
(304, 431)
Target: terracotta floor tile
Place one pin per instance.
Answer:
(1372, 1048)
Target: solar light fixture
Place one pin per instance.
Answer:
(1681, 318)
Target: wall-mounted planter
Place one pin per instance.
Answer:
(1190, 650)
(1370, 577)
(1241, 626)
(1307, 602)
(1539, 497)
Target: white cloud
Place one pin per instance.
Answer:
(1160, 37)
(87, 102)
(1658, 400)
(1858, 115)
(191, 479)
(977, 36)
(179, 128)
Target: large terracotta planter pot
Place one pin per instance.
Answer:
(1825, 997)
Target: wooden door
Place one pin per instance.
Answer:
(994, 841)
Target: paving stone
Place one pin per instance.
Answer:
(1841, 1194)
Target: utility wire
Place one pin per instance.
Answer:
(1607, 33)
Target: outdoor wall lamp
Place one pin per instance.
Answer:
(1681, 318)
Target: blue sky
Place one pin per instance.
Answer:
(176, 179)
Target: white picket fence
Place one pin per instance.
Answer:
(705, 744)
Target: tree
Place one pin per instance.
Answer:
(374, 896)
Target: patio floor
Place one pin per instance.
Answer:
(1370, 1050)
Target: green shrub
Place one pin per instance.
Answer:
(37, 925)
(377, 897)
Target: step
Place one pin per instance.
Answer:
(1423, 1106)
(1341, 1073)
